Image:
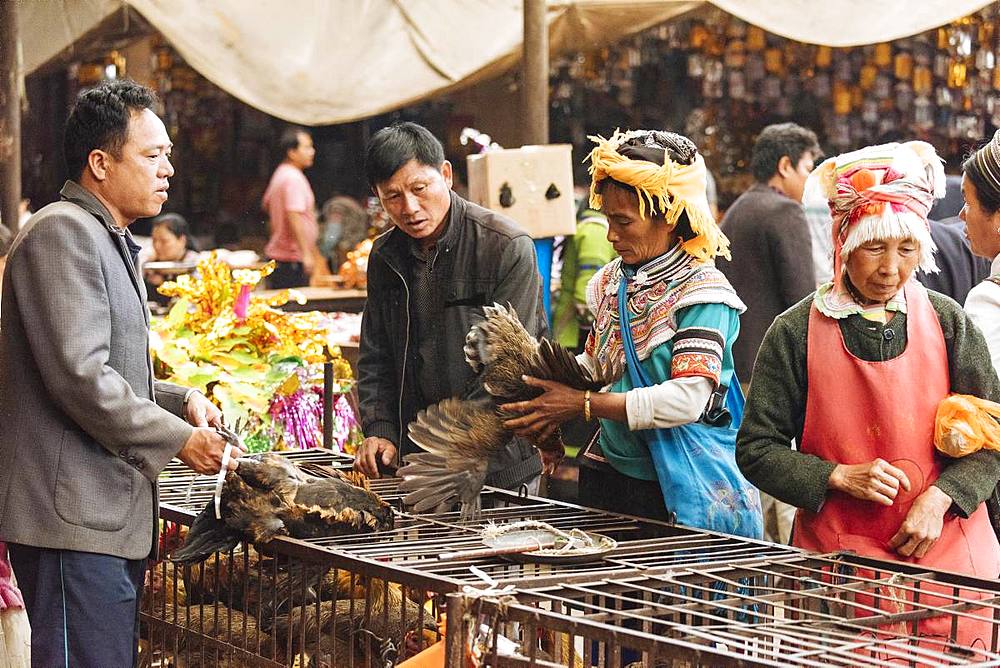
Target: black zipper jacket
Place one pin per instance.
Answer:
(481, 258)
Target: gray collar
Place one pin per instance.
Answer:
(77, 194)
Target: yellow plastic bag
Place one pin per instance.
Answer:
(966, 424)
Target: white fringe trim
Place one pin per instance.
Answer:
(892, 225)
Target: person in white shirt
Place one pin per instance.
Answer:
(981, 213)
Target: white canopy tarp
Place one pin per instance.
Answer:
(849, 22)
(330, 61)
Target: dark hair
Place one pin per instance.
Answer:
(989, 197)
(6, 237)
(289, 139)
(100, 119)
(174, 222)
(392, 147)
(650, 147)
(775, 142)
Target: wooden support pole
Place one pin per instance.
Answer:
(535, 80)
(10, 116)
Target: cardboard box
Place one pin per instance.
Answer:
(532, 184)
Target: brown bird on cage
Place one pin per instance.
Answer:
(268, 496)
(461, 436)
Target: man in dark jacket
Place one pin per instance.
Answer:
(772, 265)
(771, 268)
(960, 269)
(428, 280)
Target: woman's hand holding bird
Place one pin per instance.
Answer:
(540, 417)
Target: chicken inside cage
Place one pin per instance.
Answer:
(245, 606)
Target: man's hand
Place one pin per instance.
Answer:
(372, 451)
(877, 481)
(203, 451)
(922, 526)
(201, 412)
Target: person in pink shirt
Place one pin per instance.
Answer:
(291, 209)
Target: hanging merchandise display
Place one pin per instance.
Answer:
(942, 86)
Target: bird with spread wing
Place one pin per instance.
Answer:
(460, 436)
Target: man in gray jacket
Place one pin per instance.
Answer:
(428, 280)
(84, 429)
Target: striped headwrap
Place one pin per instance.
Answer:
(882, 192)
(667, 187)
(987, 159)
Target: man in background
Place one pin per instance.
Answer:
(291, 211)
(772, 265)
(768, 235)
(584, 253)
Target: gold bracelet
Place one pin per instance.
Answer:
(586, 405)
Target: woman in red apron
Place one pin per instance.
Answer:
(854, 374)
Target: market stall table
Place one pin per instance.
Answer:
(324, 299)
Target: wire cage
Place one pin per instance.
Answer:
(796, 610)
(373, 599)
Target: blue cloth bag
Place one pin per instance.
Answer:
(696, 462)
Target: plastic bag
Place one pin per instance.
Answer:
(966, 424)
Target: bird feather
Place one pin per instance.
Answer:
(460, 437)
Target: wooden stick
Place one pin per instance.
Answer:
(493, 551)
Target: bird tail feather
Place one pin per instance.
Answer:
(206, 537)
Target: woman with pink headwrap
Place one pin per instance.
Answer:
(854, 374)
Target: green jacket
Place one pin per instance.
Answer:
(586, 252)
(776, 404)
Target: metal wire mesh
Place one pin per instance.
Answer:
(667, 596)
(220, 624)
(800, 610)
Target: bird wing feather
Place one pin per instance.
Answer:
(459, 438)
(558, 364)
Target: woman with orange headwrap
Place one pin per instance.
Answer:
(855, 373)
(668, 318)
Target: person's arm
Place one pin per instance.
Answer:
(791, 253)
(774, 417)
(705, 332)
(378, 392)
(296, 221)
(983, 307)
(693, 372)
(70, 325)
(296, 197)
(520, 285)
(968, 480)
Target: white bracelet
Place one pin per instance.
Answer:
(221, 479)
